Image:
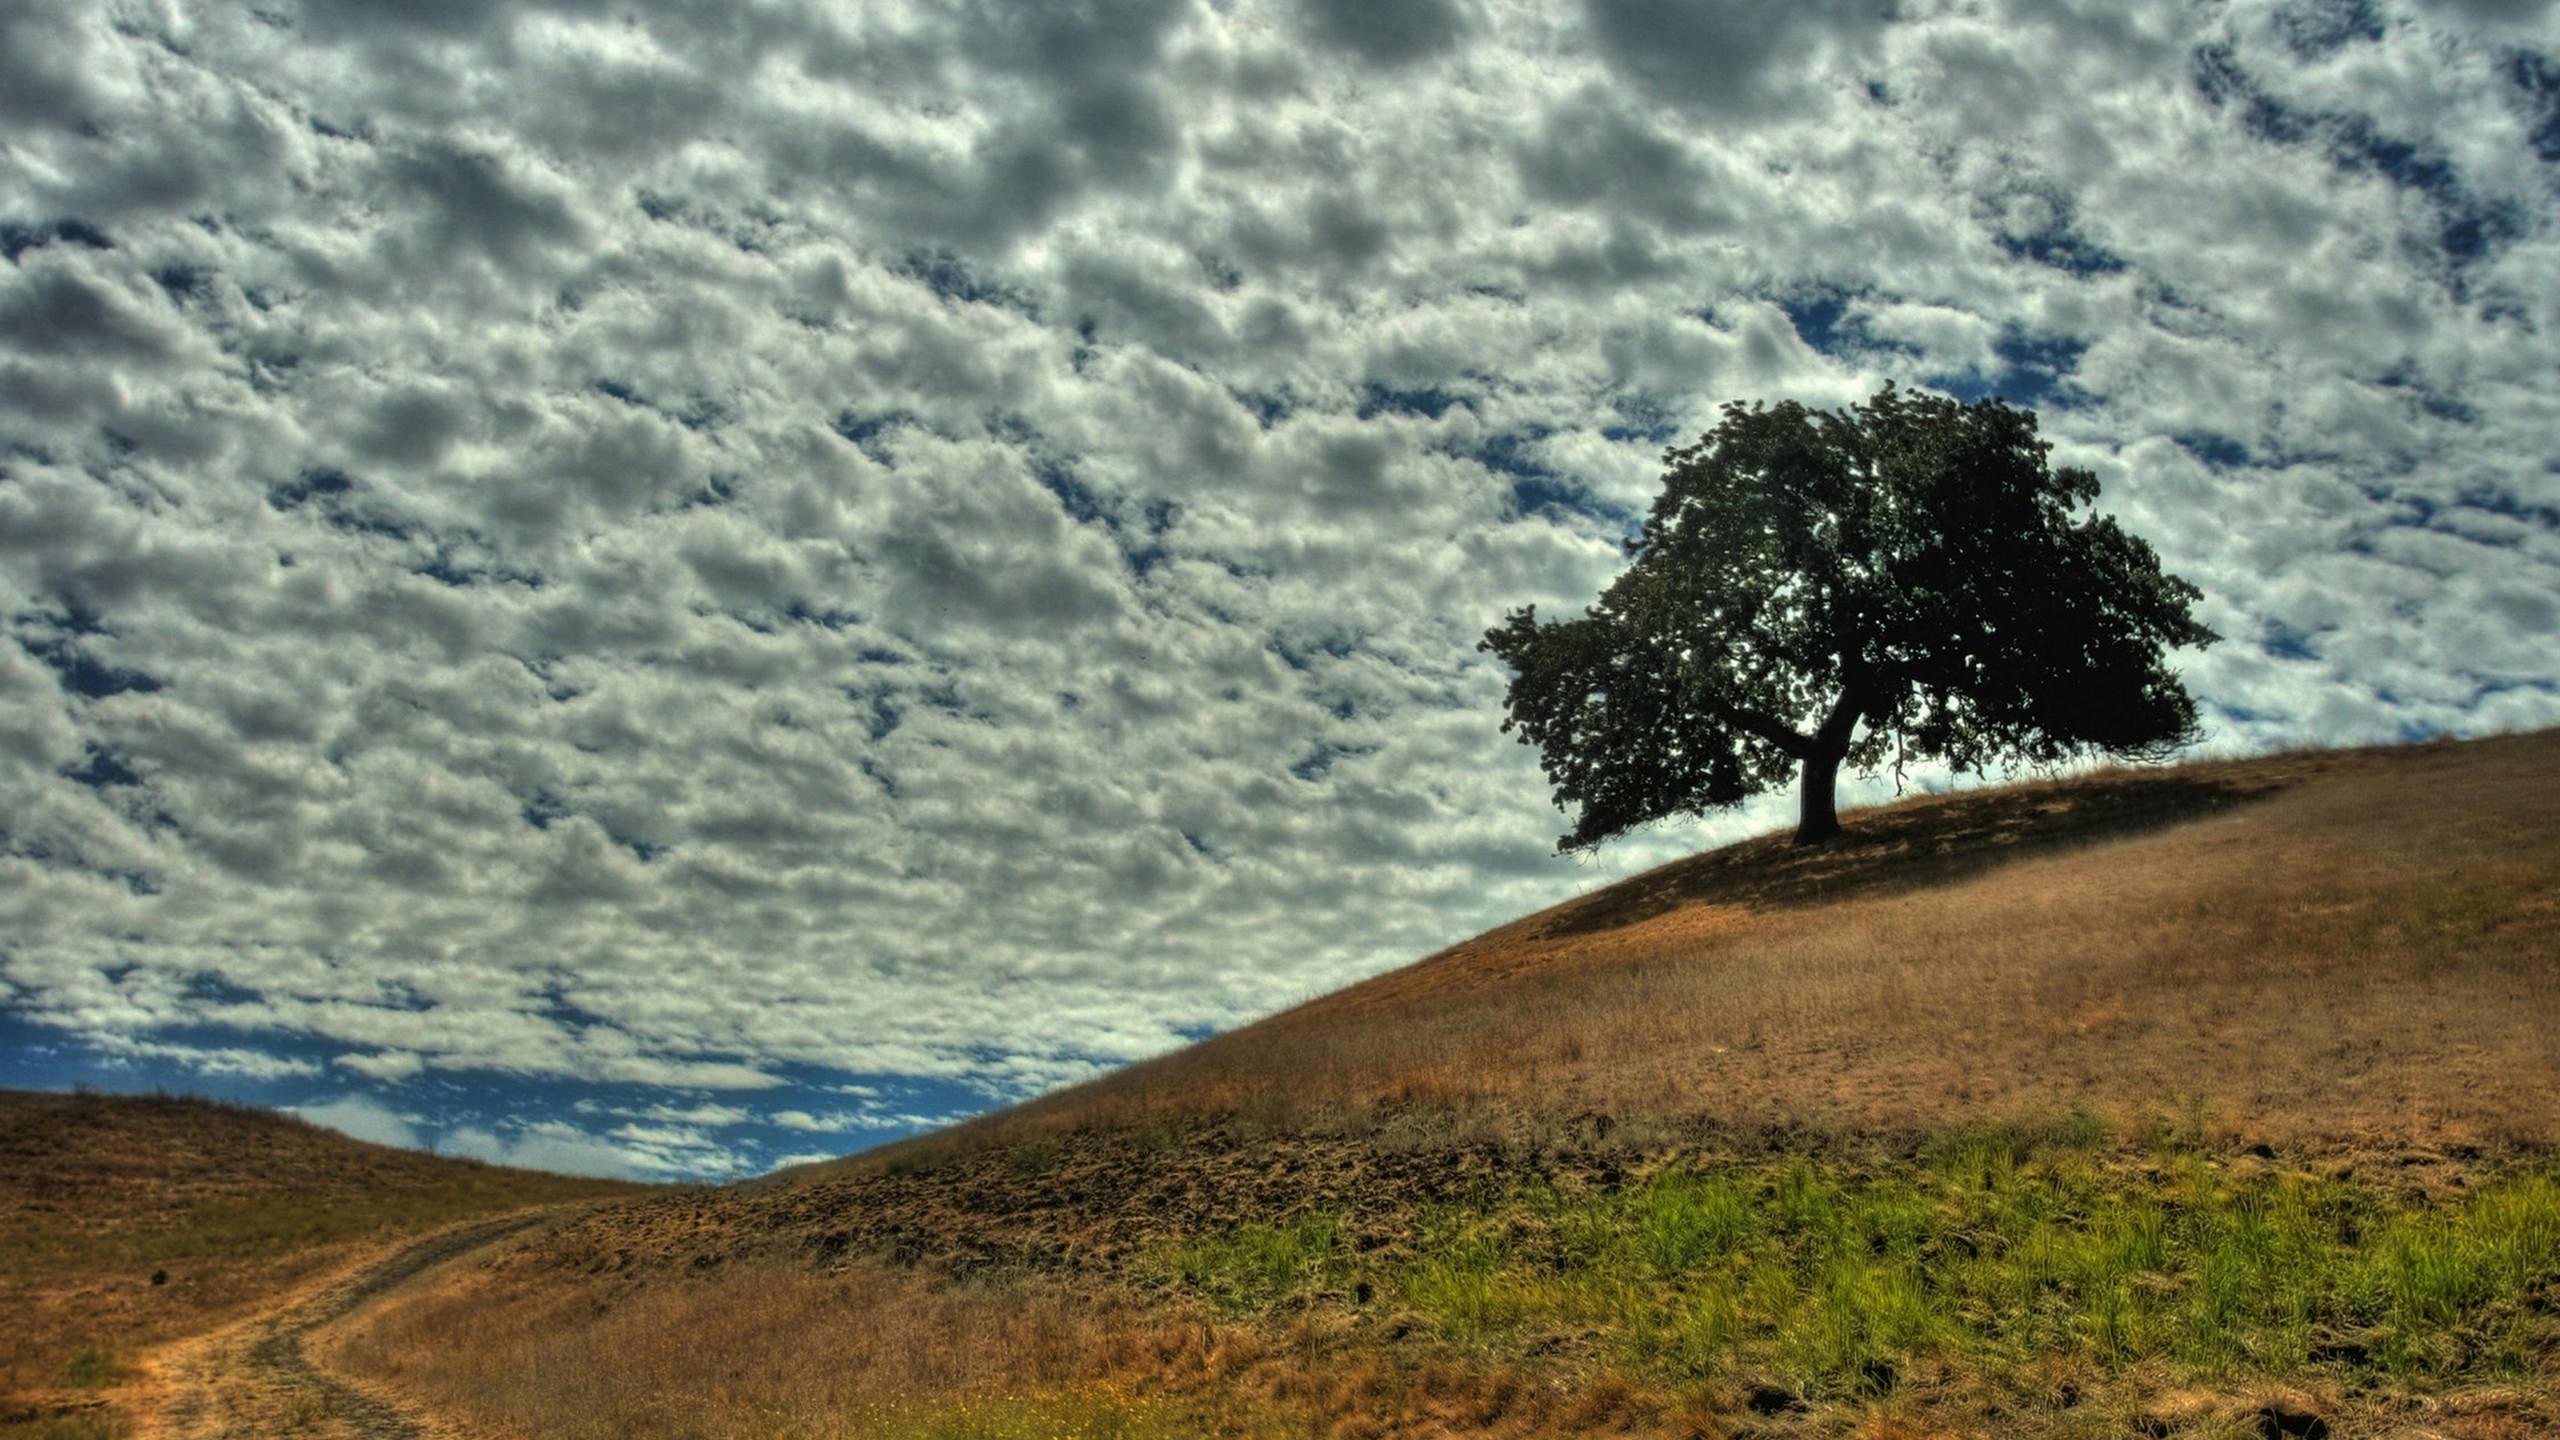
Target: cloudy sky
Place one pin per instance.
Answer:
(665, 586)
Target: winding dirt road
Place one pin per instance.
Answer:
(255, 1379)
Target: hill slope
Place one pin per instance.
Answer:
(2342, 947)
(127, 1220)
(2210, 1101)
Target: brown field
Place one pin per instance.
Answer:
(1961, 1069)
(879, 1352)
(228, 1206)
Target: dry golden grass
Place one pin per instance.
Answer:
(227, 1205)
(2344, 949)
(520, 1353)
(873, 1352)
(2349, 956)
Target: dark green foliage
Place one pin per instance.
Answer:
(1906, 578)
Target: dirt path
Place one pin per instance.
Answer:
(256, 1379)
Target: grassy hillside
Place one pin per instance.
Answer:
(2207, 1102)
(2332, 948)
(126, 1220)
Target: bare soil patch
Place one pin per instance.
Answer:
(258, 1378)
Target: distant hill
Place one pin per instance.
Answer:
(126, 1219)
(2204, 1101)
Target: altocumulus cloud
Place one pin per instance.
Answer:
(697, 560)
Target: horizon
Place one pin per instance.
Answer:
(492, 1121)
(677, 593)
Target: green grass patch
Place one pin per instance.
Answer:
(1995, 1246)
(96, 1368)
(1254, 1266)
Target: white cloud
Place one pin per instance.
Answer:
(887, 543)
(662, 1137)
(629, 1153)
(388, 1066)
(363, 1118)
(237, 1061)
(706, 1112)
(865, 1117)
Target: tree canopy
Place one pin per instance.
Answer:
(1904, 578)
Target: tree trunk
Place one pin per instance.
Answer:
(1819, 819)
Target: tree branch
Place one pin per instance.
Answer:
(1752, 722)
(1842, 722)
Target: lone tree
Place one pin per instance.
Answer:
(1905, 578)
